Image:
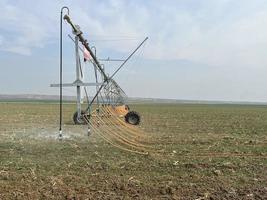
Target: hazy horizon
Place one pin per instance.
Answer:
(73, 97)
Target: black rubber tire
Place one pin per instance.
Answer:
(133, 118)
(76, 120)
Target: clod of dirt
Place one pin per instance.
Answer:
(217, 172)
(175, 163)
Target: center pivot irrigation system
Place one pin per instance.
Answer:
(107, 113)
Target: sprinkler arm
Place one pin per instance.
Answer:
(78, 33)
(85, 44)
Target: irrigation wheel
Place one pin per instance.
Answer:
(78, 120)
(133, 118)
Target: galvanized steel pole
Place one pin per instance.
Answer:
(60, 72)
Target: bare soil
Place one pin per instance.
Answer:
(208, 152)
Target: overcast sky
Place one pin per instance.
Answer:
(197, 49)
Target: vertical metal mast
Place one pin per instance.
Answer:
(78, 77)
(60, 72)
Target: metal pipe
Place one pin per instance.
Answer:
(60, 72)
(85, 44)
(96, 78)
